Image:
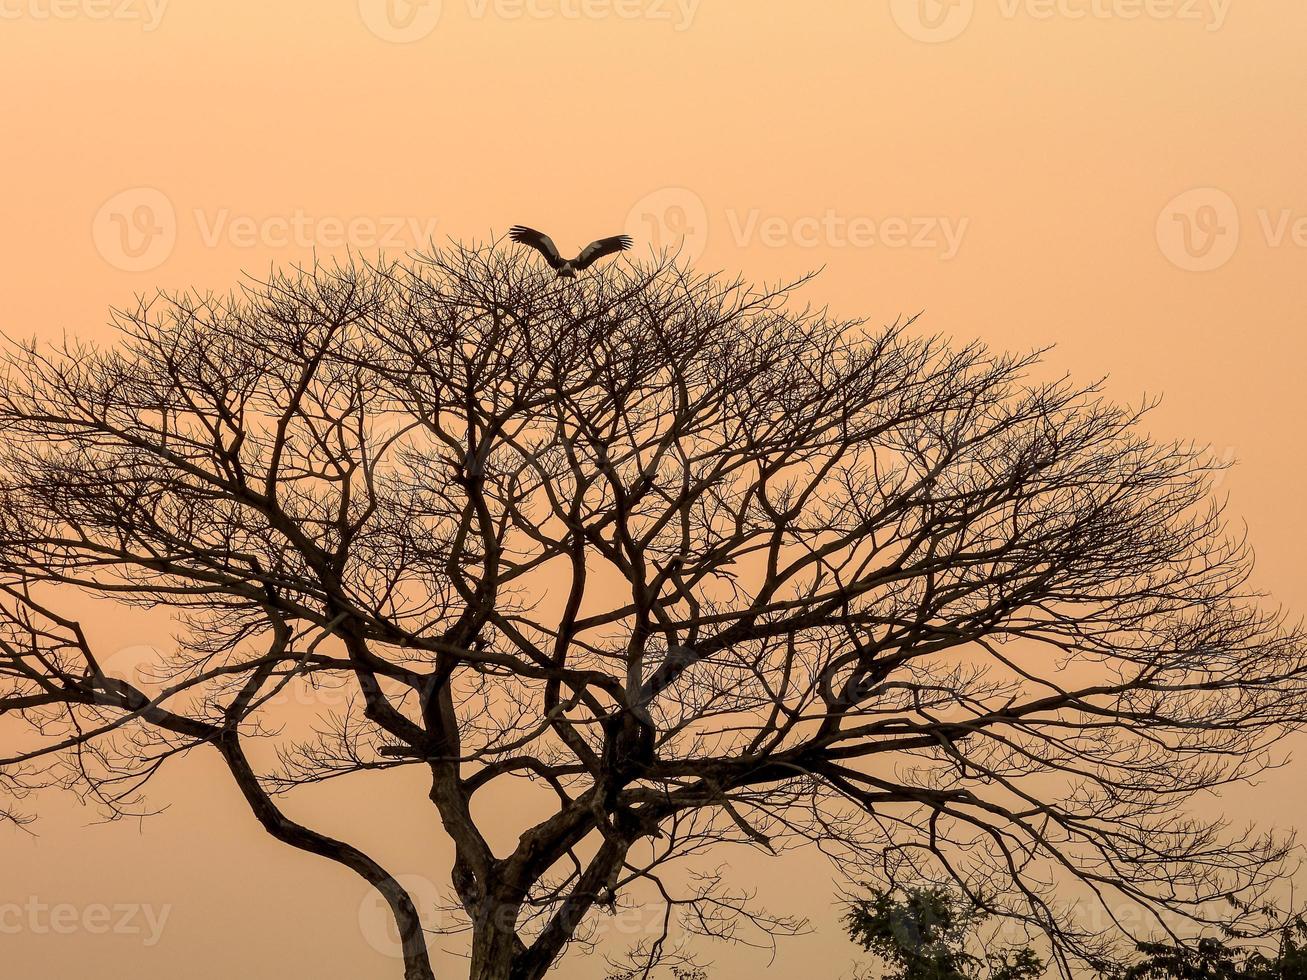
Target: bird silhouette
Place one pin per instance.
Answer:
(568, 268)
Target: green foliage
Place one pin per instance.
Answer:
(1212, 959)
(929, 934)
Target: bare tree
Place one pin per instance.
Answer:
(697, 567)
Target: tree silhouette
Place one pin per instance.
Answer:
(688, 565)
(930, 934)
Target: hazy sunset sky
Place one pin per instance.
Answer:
(1122, 179)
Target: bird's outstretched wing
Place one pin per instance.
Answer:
(539, 241)
(597, 250)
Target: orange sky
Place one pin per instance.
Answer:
(1122, 178)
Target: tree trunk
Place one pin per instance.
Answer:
(417, 968)
(495, 956)
(417, 960)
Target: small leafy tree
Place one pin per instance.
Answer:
(929, 934)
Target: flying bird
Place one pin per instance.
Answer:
(568, 268)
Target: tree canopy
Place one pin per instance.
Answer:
(693, 565)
